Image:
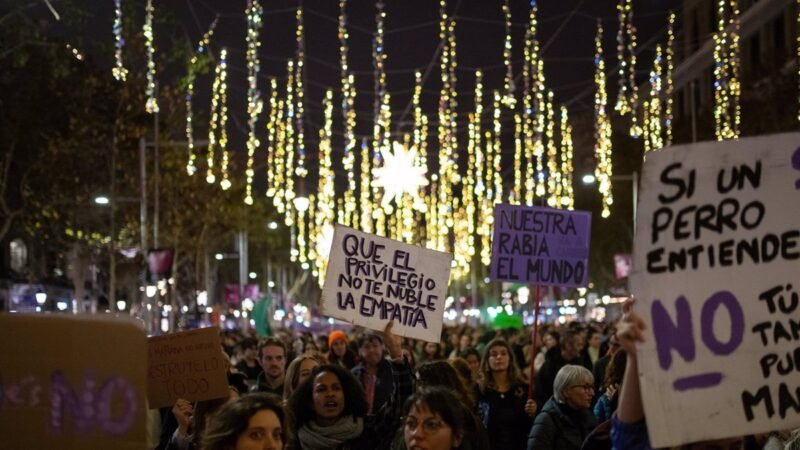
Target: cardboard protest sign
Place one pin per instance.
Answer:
(541, 246)
(72, 382)
(716, 275)
(186, 365)
(371, 280)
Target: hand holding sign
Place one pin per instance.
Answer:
(392, 342)
(630, 329)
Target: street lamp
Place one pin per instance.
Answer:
(102, 200)
(272, 225)
(589, 179)
(301, 203)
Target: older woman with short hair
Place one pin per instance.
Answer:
(566, 419)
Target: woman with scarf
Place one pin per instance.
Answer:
(329, 410)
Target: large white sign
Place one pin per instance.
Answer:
(372, 280)
(717, 278)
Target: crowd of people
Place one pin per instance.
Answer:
(471, 391)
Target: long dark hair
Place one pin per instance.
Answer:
(444, 402)
(441, 373)
(232, 419)
(301, 404)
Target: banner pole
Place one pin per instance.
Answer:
(534, 339)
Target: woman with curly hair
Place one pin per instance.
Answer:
(252, 422)
(502, 398)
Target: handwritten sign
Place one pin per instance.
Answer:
(371, 280)
(544, 246)
(717, 277)
(72, 382)
(186, 365)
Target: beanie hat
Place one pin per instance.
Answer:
(335, 336)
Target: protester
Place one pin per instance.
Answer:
(473, 358)
(193, 420)
(441, 373)
(599, 370)
(436, 420)
(568, 352)
(629, 429)
(549, 341)
(249, 365)
(299, 370)
(502, 398)
(409, 355)
(607, 403)
(311, 349)
(432, 351)
(566, 419)
(272, 357)
(374, 372)
(340, 352)
(464, 343)
(592, 351)
(464, 372)
(255, 421)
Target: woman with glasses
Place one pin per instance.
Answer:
(566, 419)
(436, 420)
(502, 398)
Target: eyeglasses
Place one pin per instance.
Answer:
(586, 387)
(429, 426)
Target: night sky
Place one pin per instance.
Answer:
(566, 34)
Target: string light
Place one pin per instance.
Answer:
(628, 96)
(254, 103)
(530, 51)
(553, 175)
(515, 194)
(365, 191)
(151, 106)
(289, 145)
(383, 115)
(448, 142)
(508, 98)
(272, 134)
(218, 113)
(668, 84)
(497, 176)
(727, 88)
(191, 167)
(567, 191)
(326, 193)
(119, 71)
(652, 123)
(348, 215)
(225, 184)
(602, 145)
(300, 170)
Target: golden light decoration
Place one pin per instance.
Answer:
(119, 71)
(191, 166)
(553, 175)
(496, 193)
(365, 188)
(653, 139)
(151, 106)
(325, 212)
(602, 146)
(301, 171)
(668, 84)
(508, 85)
(529, 52)
(727, 87)
(381, 129)
(254, 103)
(289, 145)
(272, 135)
(567, 191)
(628, 96)
(446, 131)
(400, 175)
(348, 213)
(219, 114)
(515, 194)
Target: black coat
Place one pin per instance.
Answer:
(560, 427)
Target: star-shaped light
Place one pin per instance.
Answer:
(400, 174)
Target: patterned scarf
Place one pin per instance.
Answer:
(315, 437)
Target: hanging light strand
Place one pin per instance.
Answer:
(254, 103)
(567, 191)
(225, 183)
(119, 71)
(727, 88)
(272, 134)
(151, 106)
(602, 145)
(217, 102)
(527, 106)
(325, 212)
(508, 85)
(301, 171)
(653, 139)
(668, 85)
(348, 214)
(553, 174)
(289, 145)
(191, 166)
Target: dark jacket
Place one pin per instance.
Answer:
(262, 386)
(384, 385)
(503, 416)
(560, 427)
(553, 362)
